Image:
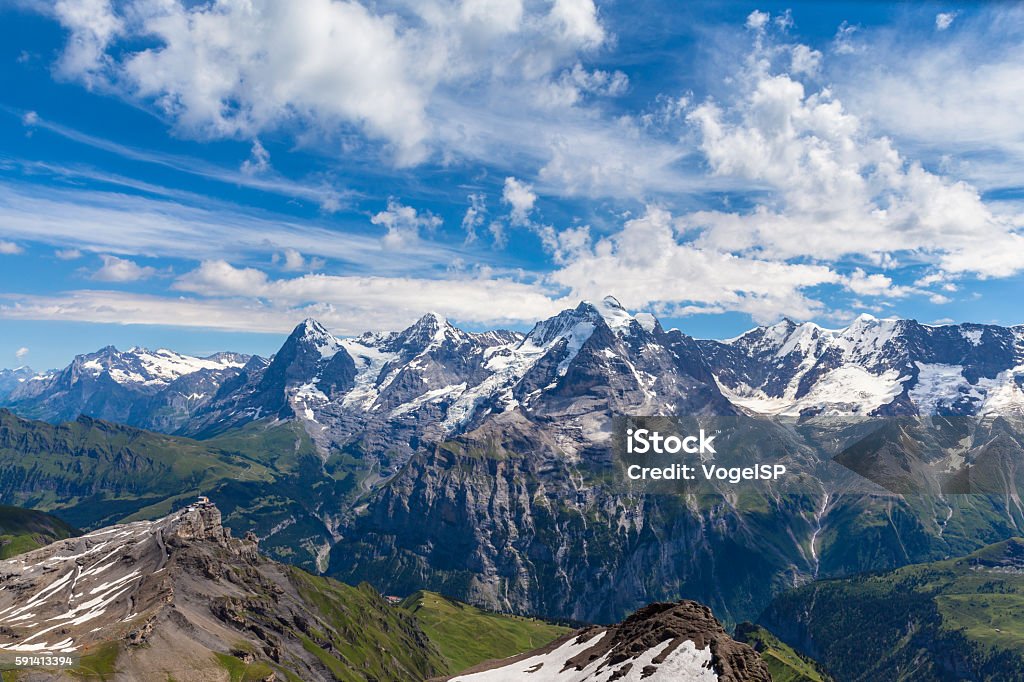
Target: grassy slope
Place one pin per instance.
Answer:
(784, 663)
(371, 637)
(918, 622)
(466, 635)
(22, 530)
(96, 472)
(266, 477)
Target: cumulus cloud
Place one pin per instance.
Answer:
(9, 248)
(292, 260)
(404, 224)
(875, 284)
(520, 197)
(837, 189)
(93, 25)
(116, 269)
(239, 69)
(21, 352)
(649, 264)
(578, 22)
(757, 20)
(220, 278)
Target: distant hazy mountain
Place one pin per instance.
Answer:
(10, 379)
(151, 389)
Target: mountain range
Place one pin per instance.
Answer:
(433, 379)
(481, 465)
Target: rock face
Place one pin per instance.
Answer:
(661, 641)
(180, 598)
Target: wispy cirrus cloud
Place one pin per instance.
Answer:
(218, 295)
(955, 98)
(254, 172)
(127, 224)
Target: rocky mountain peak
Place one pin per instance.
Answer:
(310, 333)
(659, 642)
(429, 329)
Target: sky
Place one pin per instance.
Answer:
(204, 175)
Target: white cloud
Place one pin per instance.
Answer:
(329, 67)
(258, 161)
(876, 284)
(844, 41)
(30, 119)
(404, 224)
(21, 352)
(757, 19)
(473, 219)
(521, 198)
(837, 189)
(292, 260)
(93, 25)
(493, 17)
(67, 254)
(9, 248)
(110, 222)
(944, 20)
(804, 60)
(220, 278)
(578, 22)
(648, 264)
(247, 299)
(956, 102)
(116, 269)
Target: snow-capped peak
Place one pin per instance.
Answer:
(615, 315)
(313, 333)
(151, 367)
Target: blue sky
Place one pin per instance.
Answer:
(202, 176)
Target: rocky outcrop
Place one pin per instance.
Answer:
(659, 642)
(180, 598)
